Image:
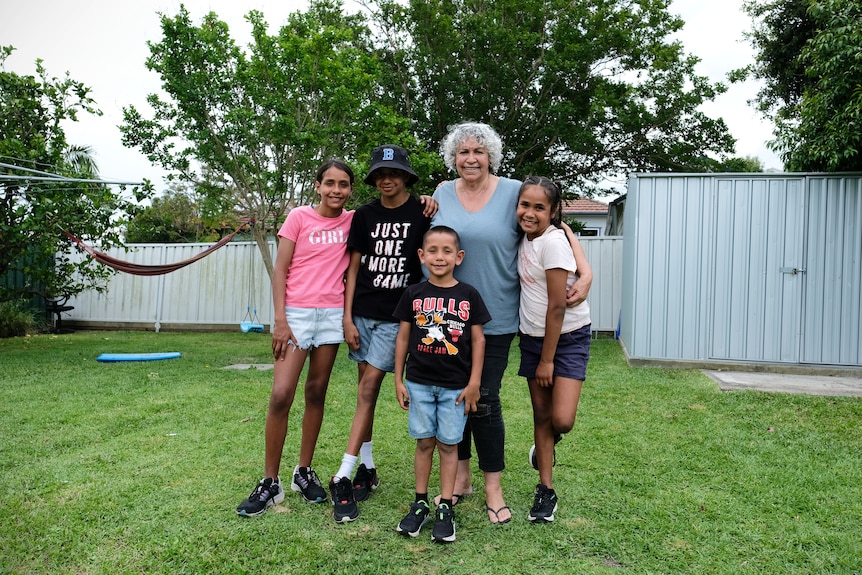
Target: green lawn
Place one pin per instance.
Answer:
(138, 467)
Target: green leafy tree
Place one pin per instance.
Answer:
(740, 164)
(578, 90)
(35, 206)
(173, 217)
(828, 136)
(807, 54)
(249, 128)
(780, 30)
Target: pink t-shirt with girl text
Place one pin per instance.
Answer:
(315, 278)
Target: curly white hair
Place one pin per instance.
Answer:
(484, 134)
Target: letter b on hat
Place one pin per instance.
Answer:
(390, 156)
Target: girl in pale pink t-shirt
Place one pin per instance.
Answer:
(554, 337)
(308, 294)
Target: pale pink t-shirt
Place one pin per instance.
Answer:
(315, 278)
(551, 250)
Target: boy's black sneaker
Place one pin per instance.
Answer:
(306, 482)
(444, 525)
(544, 505)
(267, 493)
(414, 520)
(365, 482)
(535, 462)
(344, 506)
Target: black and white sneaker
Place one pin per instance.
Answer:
(305, 481)
(365, 482)
(534, 461)
(415, 519)
(544, 505)
(267, 493)
(444, 525)
(344, 505)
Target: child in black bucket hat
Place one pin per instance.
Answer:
(394, 157)
(384, 240)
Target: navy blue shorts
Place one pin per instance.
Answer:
(573, 352)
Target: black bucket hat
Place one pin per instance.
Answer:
(389, 156)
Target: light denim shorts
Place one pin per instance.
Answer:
(313, 327)
(376, 343)
(433, 413)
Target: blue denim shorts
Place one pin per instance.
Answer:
(376, 343)
(433, 413)
(313, 327)
(573, 352)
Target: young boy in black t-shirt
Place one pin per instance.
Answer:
(441, 331)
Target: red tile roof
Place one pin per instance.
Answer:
(584, 206)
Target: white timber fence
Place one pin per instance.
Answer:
(216, 292)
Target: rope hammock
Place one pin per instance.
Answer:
(151, 270)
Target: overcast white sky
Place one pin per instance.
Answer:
(102, 43)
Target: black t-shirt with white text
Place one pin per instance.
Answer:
(388, 239)
(440, 348)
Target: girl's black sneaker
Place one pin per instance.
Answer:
(544, 505)
(267, 493)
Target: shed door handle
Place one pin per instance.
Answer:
(791, 271)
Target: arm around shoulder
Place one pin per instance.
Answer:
(579, 291)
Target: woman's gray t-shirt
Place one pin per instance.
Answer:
(489, 239)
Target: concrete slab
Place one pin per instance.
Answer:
(260, 366)
(786, 383)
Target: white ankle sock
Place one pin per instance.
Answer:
(365, 454)
(347, 464)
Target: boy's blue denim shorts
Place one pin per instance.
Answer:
(433, 413)
(313, 327)
(376, 343)
(573, 352)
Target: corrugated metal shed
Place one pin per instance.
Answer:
(743, 268)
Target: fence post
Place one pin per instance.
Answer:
(160, 291)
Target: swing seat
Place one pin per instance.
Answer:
(250, 326)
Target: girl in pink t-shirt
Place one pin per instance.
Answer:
(308, 294)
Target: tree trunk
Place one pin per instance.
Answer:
(259, 234)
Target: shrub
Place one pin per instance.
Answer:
(16, 319)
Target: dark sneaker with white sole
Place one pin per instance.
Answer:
(267, 493)
(365, 482)
(444, 525)
(535, 462)
(305, 481)
(344, 505)
(544, 505)
(415, 519)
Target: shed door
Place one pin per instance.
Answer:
(831, 331)
(758, 277)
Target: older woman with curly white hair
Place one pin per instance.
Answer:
(480, 206)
